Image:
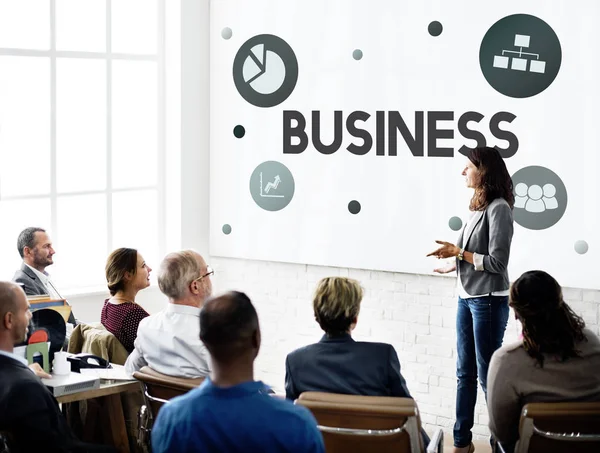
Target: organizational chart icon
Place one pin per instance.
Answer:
(520, 56)
(540, 197)
(520, 59)
(265, 70)
(272, 185)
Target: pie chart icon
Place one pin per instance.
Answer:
(265, 70)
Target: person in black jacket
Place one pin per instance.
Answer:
(337, 363)
(28, 411)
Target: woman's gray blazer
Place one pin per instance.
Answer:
(489, 234)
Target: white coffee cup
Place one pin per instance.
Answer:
(61, 366)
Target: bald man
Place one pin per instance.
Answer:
(28, 411)
(231, 412)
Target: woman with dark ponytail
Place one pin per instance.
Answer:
(558, 359)
(126, 274)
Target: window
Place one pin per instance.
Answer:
(82, 129)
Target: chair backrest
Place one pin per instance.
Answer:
(560, 427)
(365, 423)
(160, 388)
(95, 339)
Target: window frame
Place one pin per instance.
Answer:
(108, 56)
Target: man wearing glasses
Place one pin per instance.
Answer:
(169, 341)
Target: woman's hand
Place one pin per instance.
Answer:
(445, 269)
(447, 250)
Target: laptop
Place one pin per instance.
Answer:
(71, 383)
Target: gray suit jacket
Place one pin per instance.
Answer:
(489, 234)
(32, 285)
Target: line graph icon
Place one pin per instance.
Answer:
(519, 62)
(270, 185)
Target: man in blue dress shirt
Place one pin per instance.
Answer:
(231, 412)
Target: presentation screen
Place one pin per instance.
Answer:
(339, 129)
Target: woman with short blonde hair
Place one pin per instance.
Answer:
(337, 303)
(337, 363)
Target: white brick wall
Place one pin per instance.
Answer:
(415, 313)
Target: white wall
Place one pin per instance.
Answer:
(194, 124)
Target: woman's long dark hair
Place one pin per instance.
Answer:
(494, 182)
(549, 324)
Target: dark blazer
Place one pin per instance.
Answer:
(342, 365)
(32, 285)
(29, 412)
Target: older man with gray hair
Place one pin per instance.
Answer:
(169, 341)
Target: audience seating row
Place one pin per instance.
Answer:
(387, 424)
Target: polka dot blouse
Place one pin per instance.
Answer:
(122, 320)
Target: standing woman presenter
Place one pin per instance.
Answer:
(481, 263)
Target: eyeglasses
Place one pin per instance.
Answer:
(209, 271)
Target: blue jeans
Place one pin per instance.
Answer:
(480, 326)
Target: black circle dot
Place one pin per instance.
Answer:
(435, 28)
(239, 131)
(226, 228)
(354, 207)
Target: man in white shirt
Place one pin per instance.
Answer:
(169, 341)
(35, 247)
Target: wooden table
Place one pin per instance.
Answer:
(106, 388)
(110, 392)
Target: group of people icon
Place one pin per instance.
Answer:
(535, 198)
